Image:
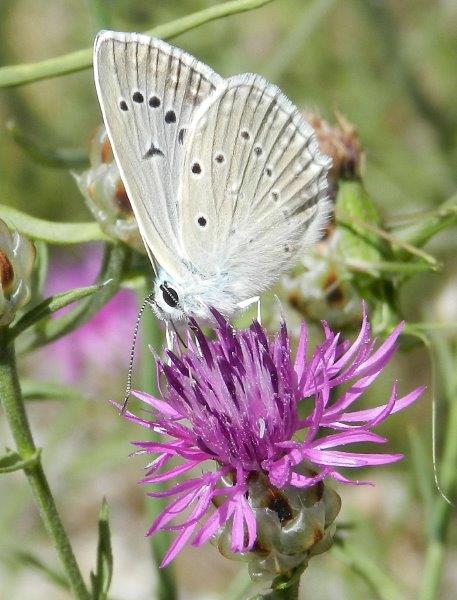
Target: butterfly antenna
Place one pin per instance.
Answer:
(128, 388)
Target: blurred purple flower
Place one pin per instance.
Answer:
(234, 401)
(102, 344)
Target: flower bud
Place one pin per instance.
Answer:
(341, 143)
(320, 287)
(17, 255)
(292, 526)
(105, 194)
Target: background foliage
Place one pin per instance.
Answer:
(389, 67)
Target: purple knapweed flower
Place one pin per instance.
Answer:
(234, 400)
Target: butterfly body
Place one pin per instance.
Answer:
(224, 175)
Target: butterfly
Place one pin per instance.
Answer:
(224, 175)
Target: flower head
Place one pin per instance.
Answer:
(321, 284)
(238, 401)
(342, 144)
(17, 255)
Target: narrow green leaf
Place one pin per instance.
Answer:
(444, 217)
(359, 561)
(61, 158)
(27, 559)
(51, 305)
(375, 268)
(101, 578)
(49, 231)
(12, 461)
(82, 59)
(40, 270)
(39, 390)
(421, 461)
(110, 275)
(400, 249)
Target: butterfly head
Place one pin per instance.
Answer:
(177, 301)
(168, 297)
(193, 296)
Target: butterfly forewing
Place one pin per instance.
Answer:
(149, 92)
(253, 185)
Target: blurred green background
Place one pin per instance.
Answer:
(390, 67)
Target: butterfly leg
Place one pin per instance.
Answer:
(168, 336)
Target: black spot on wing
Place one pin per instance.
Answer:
(154, 102)
(181, 135)
(153, 151)
(170, 117)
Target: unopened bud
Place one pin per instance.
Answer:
(292, 526)
(17, 255)
(341, 143)
(105, 194)
(320, 287)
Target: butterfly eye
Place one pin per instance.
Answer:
(170, 295)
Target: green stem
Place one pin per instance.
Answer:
(445, 216)
(10, 395)
(82, 59)
(159, 542)
(442, 510)
(50, 231)
(289, 593)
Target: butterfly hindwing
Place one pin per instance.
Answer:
(149, 92)
(253, 186)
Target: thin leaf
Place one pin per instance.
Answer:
(394, 241)
(49, 231)
(61, 158)
(27, 559)
(51, 305)
(12, 461)
(110, 275)
(393, 267)
(421, 460)
(445, 217)
(39, 390)
(101, 579)
(82, 59)
(359, 561)
(40, 270)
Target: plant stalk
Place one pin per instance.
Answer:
(442, 510)
(11, 399)
(82, 59)
(159, 542)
